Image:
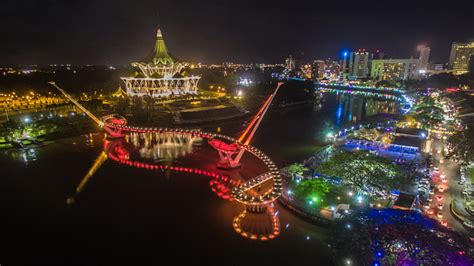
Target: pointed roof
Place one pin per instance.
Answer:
(119, 92)
(160, 53)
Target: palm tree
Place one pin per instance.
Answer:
(296, 170)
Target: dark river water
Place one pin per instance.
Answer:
(68, 203)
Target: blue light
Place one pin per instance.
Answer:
(345, 54)
(339, 113)
(379, 254)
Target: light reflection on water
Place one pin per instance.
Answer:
(163, 146)
(25, 155)
(113, 187)
(136, 150)
(356, 108)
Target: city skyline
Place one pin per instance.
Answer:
(237, 132)
(213, 32)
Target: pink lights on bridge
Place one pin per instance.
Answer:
(230, 154)
(219, 183)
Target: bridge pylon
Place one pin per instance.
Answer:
(230, 154)
(112, 123)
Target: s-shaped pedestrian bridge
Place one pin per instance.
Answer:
(230, 151)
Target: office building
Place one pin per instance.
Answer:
(424, 57)
(290, 63)
(359, 64)
(460, 56)
(395, 69)
(317, 70)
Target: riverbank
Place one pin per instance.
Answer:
(23, 134)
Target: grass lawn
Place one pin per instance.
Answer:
(26, 142)
(339, 195)
(5, 146)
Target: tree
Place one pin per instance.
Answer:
(312, 188)
(397, 237)
(363, 170)
(296, 169)
(122, 105)
(463, 144)
(14, 130)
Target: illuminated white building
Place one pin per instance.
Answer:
(460, 57)
(395, 69)
(161, 75)
(424, 57)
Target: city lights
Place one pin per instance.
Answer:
(365, 154)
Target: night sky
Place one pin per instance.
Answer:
(118, 32)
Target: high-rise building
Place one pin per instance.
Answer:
(359, 64)
(317, 69)
(460, 56)
(424, 57)
(452, 55)
(290, 63)
(395, 69)
(470, 67)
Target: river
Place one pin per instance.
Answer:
(67, 203)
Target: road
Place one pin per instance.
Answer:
(452, 190)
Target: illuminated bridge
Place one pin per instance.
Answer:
(230, 151)
(249, 224)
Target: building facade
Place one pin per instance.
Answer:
(460, 56)
(290, 63)
(160, 75)
(359, 64)
(395, 69)
(317, 70)
(424, 57)
(332, 69)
